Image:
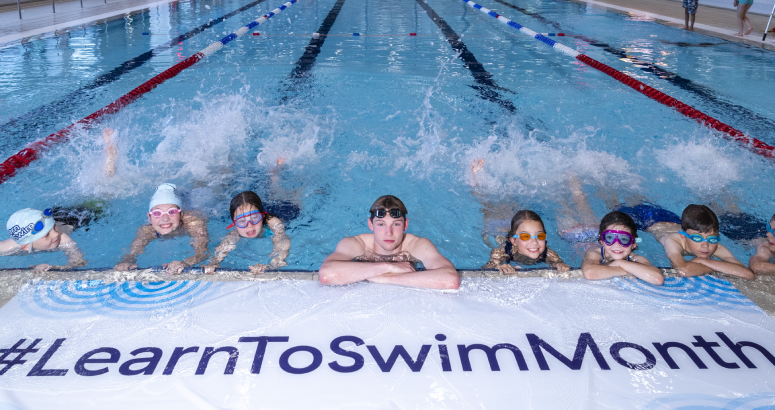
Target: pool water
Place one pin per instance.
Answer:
(383, 113)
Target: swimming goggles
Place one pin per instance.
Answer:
(158, 213)
(40, 225)
(541, 236)
(381, 213)
(769, 229)
(625, 239)
(713, 239)
(248, 218)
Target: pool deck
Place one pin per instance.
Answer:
(761, 290)
(712, 20)
(39, 21)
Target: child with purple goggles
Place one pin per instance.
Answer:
(610, 237)
(618, 239)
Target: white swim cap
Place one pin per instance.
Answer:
(165, 194)
(29, 225)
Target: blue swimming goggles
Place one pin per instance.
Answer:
(698, 238)
(40, 225)
(769, 229)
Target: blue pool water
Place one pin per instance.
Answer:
(384, 113)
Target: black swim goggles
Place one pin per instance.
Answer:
(394, 213)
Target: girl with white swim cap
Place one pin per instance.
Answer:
(166, 219)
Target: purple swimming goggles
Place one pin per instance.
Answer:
(625, 239)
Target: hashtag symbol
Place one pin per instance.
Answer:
(4, 353)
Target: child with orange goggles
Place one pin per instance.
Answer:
(526, 246)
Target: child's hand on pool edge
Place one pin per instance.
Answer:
(259, 268)
(561, 267)
(125, 266)
(174, 267)
(507, 269)
(43, 267)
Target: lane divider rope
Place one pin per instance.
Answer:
(33, 150)
(754, 144)
(317, 35)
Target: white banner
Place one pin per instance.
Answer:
(513, 343)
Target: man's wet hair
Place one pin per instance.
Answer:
(699, 218)
(386, 203)
(523, 216)
(618, 218)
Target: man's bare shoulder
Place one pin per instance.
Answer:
(416, 244)
(355, 243)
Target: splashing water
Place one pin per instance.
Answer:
(702, 164)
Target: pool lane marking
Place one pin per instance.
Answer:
(486, 85)
(394, 35)
(751, 143)
(759, 122)
(33, 150)
(30, 121)
(309, 58)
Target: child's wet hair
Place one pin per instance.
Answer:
(247, 197)
(773, 218)
(618, 218)
(699, 218)
(523, 216)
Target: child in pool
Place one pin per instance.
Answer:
(618, 239)
(697, 236)
(249, 218)
(526, 246)
(167, 220)
(34, 230)
(760, 263)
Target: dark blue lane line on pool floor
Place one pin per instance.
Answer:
(307, 61)
(743, 118)
(486, 86)
(47, 115)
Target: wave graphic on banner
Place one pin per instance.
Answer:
(57, 298)
(758, 401)
(696, 291)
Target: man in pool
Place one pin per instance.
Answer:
(167, 220)
(697, 236)
(394, 256)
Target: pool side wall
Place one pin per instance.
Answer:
(761, 290)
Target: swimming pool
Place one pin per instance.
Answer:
(383, 112)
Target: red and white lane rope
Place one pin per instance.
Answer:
(33, 150)
(755, 145)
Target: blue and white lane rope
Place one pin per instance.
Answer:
(749, 142)
(33, 150)
(538, 36)
(241, 32)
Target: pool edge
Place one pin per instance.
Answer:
(761, 290)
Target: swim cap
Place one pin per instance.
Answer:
(166, 193)
(21, 225)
